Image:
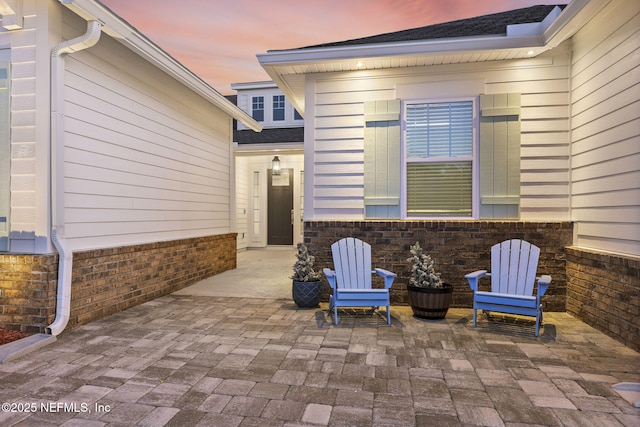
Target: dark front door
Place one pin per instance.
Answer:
(280, 207)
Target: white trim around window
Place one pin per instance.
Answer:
(429, 140)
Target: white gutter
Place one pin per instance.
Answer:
(119, 29)
(420, 47)
(65, 255)
(537, 34)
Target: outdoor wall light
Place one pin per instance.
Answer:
(275, 166)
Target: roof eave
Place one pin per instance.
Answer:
(117, 28)
(271, 61)
(421, 47)
(549, 35)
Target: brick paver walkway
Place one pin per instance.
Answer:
(212, 361)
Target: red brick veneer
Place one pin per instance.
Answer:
(105, 281)
(458, 247)
(603, 290)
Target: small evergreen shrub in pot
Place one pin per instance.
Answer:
(429, 297)
(307, 287)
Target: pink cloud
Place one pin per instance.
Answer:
(219, 40)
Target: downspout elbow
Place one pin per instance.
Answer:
(85, 41)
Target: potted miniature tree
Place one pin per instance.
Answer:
(429, 297)
(307, 288)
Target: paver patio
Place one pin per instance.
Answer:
(214, 361)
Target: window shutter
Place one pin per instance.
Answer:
(500, 156)
(382, 159)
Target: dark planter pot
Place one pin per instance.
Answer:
(307, 294)
(430, 303)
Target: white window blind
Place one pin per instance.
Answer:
(439, 189)
(439, 158)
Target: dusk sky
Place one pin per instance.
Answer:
(218, 39)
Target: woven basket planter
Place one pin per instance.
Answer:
(307, 294)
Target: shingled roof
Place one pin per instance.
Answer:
(486, 25)
(269, 136)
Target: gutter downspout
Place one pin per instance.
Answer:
(65, 255)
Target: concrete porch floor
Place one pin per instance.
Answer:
(260, 273)
(224, 360)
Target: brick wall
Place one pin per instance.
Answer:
(458, 248)
(105, 281)
(603, 290)
(27, 291)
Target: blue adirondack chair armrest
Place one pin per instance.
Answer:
(331, 276)
(474, 277)
(543, 284)
(388, 276)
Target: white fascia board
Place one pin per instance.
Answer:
(421, 47)
(117, 28)
(573, 17)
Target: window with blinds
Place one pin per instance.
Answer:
(439, 158)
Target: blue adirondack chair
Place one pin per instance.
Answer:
(352, 277)
(514, 264)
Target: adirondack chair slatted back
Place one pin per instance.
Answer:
(352, 263)
(513, 267)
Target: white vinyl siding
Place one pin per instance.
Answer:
(145, 159)
(5, 148)
(334, 118)
(605, 146)
(242, 186)
(29, 121)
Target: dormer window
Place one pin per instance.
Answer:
(267, 105)
(257, 108)
(278, 107)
